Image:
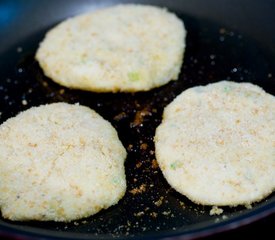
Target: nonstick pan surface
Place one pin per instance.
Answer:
(223, 42)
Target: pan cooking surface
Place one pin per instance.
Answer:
(150, 207)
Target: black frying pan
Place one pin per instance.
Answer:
(226, 40)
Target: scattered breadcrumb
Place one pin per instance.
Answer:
(216, 211)
(224, 217)
(62, 91)
(139, 214)
(130, 147)
(139, 117)
(153, 214)
(248, 206)
(140, 189)
(154, 164)
(138, 165)
(166, 213)
(45, 84)
(120, 116)
(152, 152)
(159, 202)
(182, 204)
(143, 146)
(24, 102)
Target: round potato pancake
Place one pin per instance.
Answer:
(59, 162)
(125, 48)
(216, 144)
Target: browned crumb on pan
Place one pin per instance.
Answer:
(138, 190)
(139, 117)
(166, 213)
(182, 204)
(152, 152)
(143, 146)
(45, 84)
(130, 147)
(159, 202)
(155, 164)
(138, 165)
(120, 116)
(139, 214)
(153, 214)
(62, 91)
